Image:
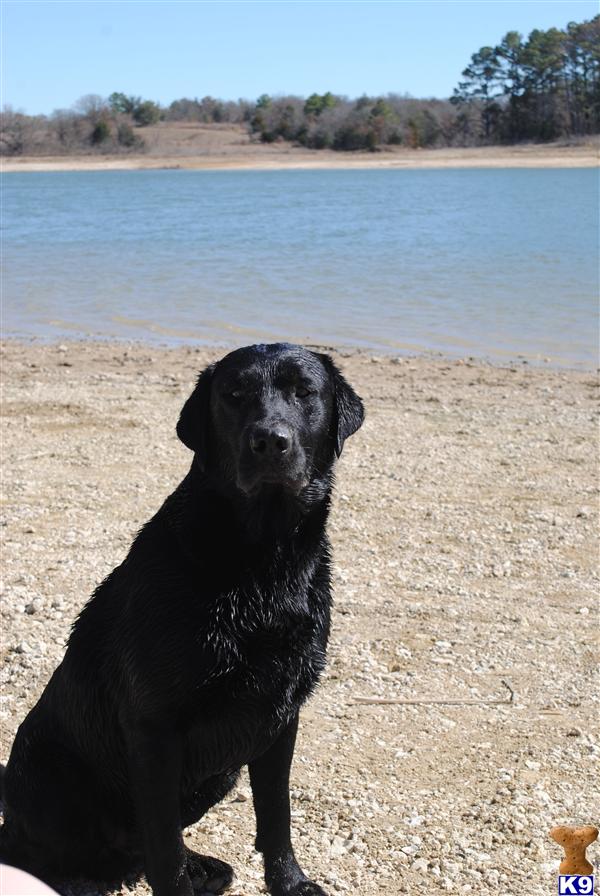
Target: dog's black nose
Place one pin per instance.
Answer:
(271, 442)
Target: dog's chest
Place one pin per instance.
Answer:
(261, 659)
(258, 644)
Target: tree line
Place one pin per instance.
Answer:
(541, 88)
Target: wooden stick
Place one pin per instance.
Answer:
(399, 701)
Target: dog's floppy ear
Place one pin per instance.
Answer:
(194, 420)
(348, 410)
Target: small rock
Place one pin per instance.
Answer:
(443, 645)
(337, 847)
(419, 865)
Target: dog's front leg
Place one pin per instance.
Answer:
(270, 777)
(155, 768)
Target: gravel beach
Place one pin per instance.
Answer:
(464, 530)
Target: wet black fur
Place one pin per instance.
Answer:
(193, 657)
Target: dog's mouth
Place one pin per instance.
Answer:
(253, 483)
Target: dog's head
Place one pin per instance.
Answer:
(270, 416)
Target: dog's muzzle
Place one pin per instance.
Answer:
(271, 456)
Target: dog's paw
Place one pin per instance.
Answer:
(208, 875)
(308, 888)
(302, 888)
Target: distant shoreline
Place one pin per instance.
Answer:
(284, 157)
(401, 354)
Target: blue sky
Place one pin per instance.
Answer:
(57, 51)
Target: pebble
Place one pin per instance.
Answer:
(419, 865)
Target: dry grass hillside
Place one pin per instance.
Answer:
(196, 145)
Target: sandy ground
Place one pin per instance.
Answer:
(194, 146)
(465, 543)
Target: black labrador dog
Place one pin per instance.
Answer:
(194, 656)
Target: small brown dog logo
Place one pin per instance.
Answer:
(575, 841)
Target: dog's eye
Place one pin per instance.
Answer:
(236, 394)
(302, 392)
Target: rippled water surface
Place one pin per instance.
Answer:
(495, 263)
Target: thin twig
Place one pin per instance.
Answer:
(399, 701)
(25, 457)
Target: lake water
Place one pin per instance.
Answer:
(490, 263)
